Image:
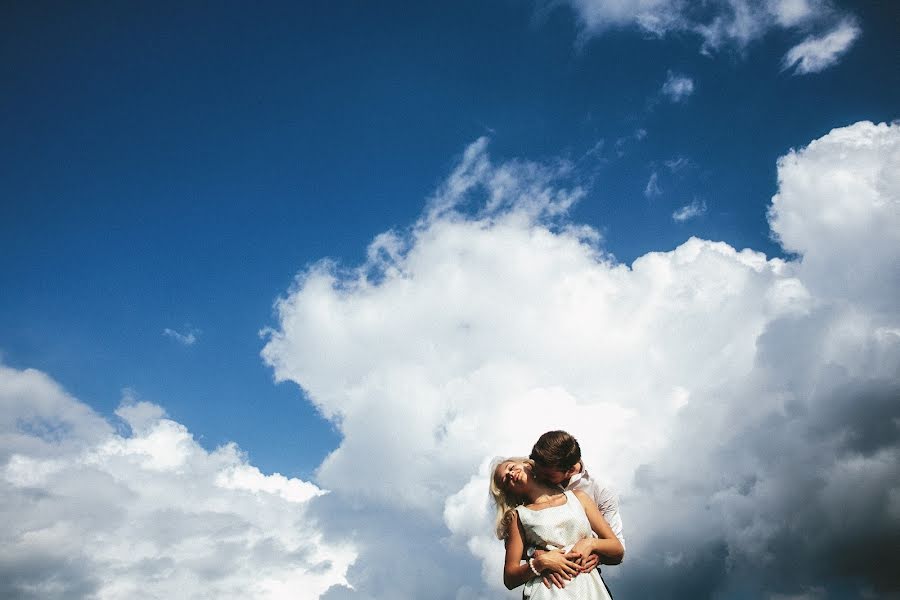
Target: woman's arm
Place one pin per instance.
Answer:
(606, 543)
(515, 572)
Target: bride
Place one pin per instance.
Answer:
(532, 514)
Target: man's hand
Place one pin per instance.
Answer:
(590, 563)
(588, 560)
(557, 567)
(552, 579)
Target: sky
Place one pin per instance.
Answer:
(277, 283)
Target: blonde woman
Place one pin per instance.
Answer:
(533, 514)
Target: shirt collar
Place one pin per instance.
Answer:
(578, 476)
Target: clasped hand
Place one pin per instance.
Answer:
(558, 566)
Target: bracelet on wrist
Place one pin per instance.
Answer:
(531, 565)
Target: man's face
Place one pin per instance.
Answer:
(554, 476)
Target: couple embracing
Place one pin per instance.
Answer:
(557, 522)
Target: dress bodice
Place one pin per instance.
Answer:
(556, 526)
(559, 527)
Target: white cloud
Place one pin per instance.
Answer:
(817, 53)
(88, 512)
(656, 16)
(841, 195)
(720, 23)
(624, 142)
(652, 188)
(679, 164)
(187, 339)
(689, 211)
(789, 13)
(596, 151)
(677, 87)
(744, 406)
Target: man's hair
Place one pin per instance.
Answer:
(556, 450)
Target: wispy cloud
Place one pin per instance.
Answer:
(817, 53)
(188, 339)
(623, 142)
(596, 151)
(689, 211)
(677, 87)
(652, 188)
(676, 165)
(721, 24)
(789, 13)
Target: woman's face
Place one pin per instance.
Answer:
(512, 475)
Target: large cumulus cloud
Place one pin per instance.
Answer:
(746, 406)
(138, 509)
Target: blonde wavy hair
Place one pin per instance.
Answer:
(504, 502)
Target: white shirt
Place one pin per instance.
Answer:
(604, 496)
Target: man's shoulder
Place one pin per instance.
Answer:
(585, 480)
(602, 491)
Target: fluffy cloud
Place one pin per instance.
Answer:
(92, 511)
(817, 53)
(677, 87)
(726, 23)
(746, 407)
(838, 199)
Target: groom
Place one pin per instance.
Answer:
(557, 461)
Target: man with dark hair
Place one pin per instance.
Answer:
(557, 450)
(557, 460)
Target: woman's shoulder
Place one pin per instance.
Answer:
(511, 519)
(517, 513)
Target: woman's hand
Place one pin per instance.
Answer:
(557, 567)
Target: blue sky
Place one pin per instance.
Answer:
(172, 167)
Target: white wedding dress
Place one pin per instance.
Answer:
(560, 527)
